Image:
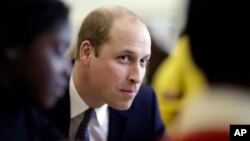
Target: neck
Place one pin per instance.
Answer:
(84, 88)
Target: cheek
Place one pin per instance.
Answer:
(107, 74)
(114, 71)
(47, 74)
(57, 70)
(55, 67)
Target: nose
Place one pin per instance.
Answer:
(136, 73)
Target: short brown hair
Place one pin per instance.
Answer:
(96, 26)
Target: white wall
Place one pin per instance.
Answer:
(163, 16)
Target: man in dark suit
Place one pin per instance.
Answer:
(111, 56)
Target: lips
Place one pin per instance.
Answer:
(129, 91)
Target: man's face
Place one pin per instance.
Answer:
(116, 74)
(45, 67)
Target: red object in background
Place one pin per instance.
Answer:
(209, 136)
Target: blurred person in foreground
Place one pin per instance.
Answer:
(218, 35)
(111, 57)
(34, 35)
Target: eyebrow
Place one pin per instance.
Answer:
(133, 53)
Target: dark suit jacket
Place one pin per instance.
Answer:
(26, 124)
(141, 122)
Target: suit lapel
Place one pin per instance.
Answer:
(117, 125)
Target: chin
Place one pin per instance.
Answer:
(48, 104)
(122, 107)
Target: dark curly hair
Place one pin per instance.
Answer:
(23, 20)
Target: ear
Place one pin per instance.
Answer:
(85, 52)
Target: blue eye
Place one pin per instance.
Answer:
(124, 59)
(144, 62)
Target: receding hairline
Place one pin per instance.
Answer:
(119, 12)
(121, 15)
(109, 15)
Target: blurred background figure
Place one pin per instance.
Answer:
(176, 79)
(33, 72)
(218, 36)
(157, 56)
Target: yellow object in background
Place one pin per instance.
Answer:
(176, 79)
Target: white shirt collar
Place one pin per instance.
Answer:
(78, 106)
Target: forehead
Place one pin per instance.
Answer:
(125, 26)
(129, 35)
